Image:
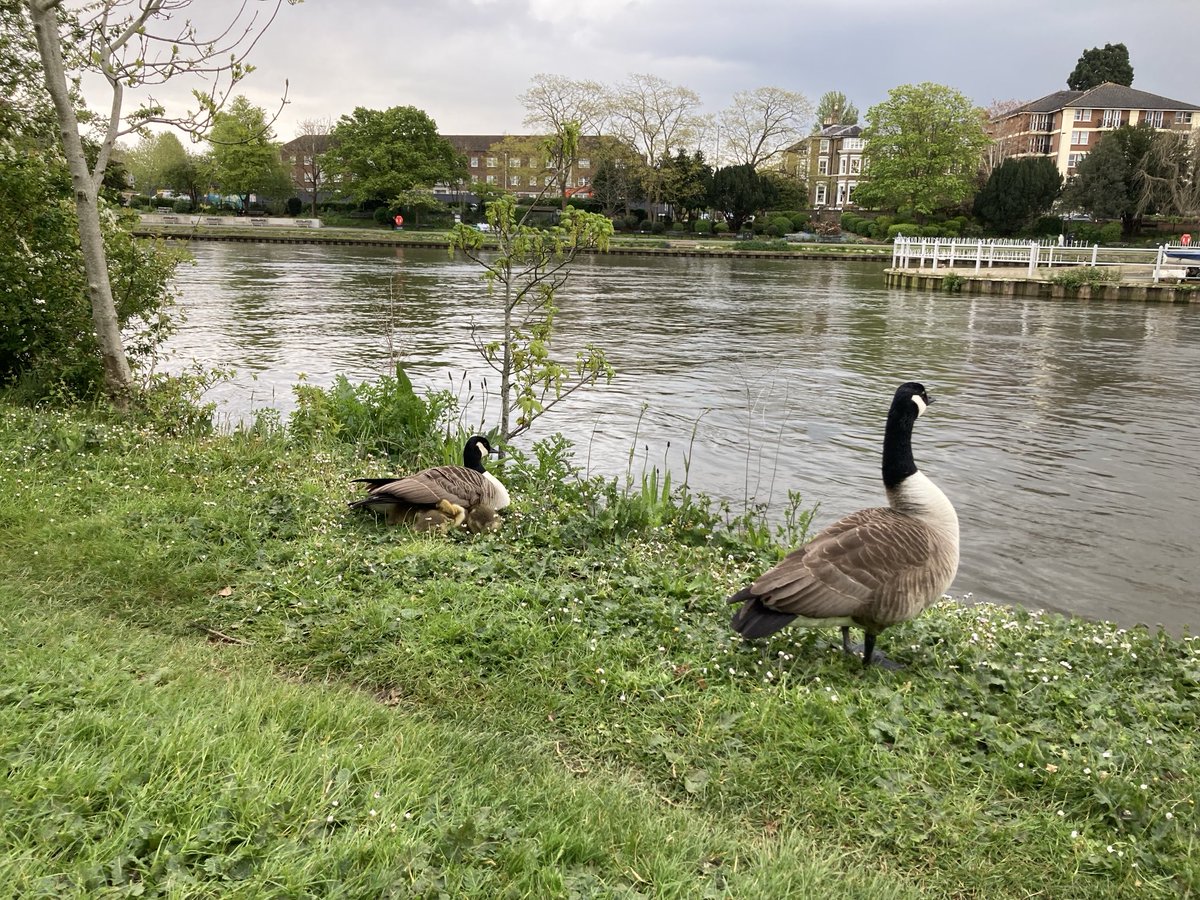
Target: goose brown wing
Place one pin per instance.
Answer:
(458, 484)
(858, 566)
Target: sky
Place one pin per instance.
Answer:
(466, 62)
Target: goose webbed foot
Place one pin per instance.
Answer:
(867, 651)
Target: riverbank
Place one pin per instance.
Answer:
(630, 245)
(1016, 283)
(228, 683)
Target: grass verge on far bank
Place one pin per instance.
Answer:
(218, 682)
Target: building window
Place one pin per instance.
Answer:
(844, 165)
(1152, 117)
(514, 180)
(582, 182)
(491, 162)
(850, 191)
(841, 194)
(1112, 118)
(491, 179)
(1083, 115)
(546, 181)
(1039, 122)
(1073, 159)
(515, 162)
(1079, 138)
(1183, 118)
(824, 145)
(821, 194)
(855, 165)
(474, 162)
(533, 181)
(585, 163)
(823, 166)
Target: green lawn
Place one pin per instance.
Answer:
(218, 683)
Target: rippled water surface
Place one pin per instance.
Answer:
(1066, 433)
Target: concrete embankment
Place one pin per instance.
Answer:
(1013, 285)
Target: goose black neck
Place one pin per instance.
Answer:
(473, 457)
(898, 461)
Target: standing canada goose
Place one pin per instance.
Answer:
(463, 488)
(872, 568)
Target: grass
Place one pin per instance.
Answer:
(205, 651)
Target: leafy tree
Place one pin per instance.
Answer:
(1017, 192)
(923, 149)
(312, 141)
(416, 201)
(656, 118)
(790, 191)
(245, 157)
(557, 104)
(126, 48)
(686, 182)
(761, 123)
(1170, 175)
(620, 176)
(380, 153)
(46, 334)
(526, 266)
(741, 191)
(1101, 64)
(834, 109)
(525, 269)
(160, 161)
(25, 106)
(1109, 181)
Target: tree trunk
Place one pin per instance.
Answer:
(118, 379)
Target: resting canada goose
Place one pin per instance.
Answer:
(464, 488)
(872, 568)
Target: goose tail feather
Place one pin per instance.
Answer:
(755, 619)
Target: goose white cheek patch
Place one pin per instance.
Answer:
(921, 405)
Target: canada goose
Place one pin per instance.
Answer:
(464, 488)
(872, 568)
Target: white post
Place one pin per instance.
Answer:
(1158, 261)
(991, 252)
(978, 254)
(922, 253)
(952, 252)
(937, 243)
(1033, 258)
(1095, 253)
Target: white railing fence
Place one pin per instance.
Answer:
(963, 253)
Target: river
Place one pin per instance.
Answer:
(1066, 433)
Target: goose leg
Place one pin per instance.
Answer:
(869, 654)
(846, 648)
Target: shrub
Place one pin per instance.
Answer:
(703, 226)
(294, 206)
(930, 231)
(904, 229)
(47, 339)
(182, 205)
(782, 222)
(1095, 233)
(678, 227)
(658, 228)
(721, 227)
(385, 416)
(1047, 226)
(382, 215)
(1075, 278)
